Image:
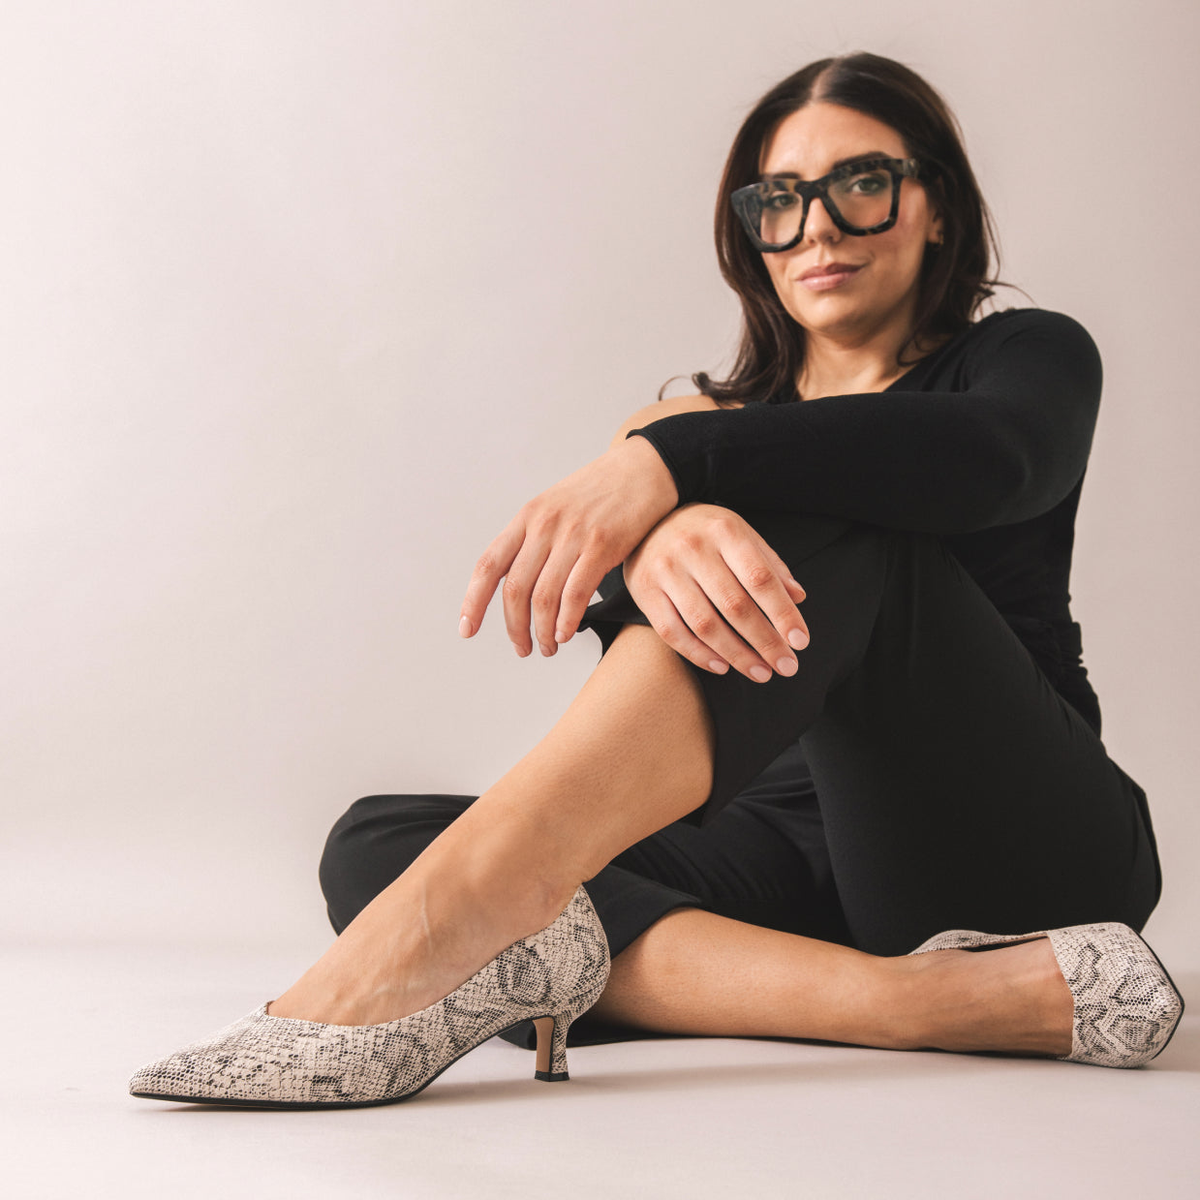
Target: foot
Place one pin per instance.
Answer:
(419, 939)
(1011, 999)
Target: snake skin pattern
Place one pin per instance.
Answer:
(285, 1062)
(1126, 1006)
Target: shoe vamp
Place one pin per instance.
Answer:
(275, 1060)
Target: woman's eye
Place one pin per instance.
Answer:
(867, 185)
(779, 201)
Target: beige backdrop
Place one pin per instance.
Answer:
(303, 299)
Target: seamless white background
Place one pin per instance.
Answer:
(303, 299)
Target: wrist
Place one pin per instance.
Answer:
(651, 472)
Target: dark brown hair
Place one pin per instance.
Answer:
(954, 275)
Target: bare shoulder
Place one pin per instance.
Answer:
(669, 407)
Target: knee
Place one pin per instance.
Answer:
(343, 838)
(801, 539)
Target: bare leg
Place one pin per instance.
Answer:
(696, 972)
(633, 753)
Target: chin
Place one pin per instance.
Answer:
(831, 314)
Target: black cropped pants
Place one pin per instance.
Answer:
(918, 773)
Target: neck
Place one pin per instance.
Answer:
(838, 363)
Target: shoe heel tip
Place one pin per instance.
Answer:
(551, 1076)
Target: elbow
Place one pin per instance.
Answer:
(1026, 493)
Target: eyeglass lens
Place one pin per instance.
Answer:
(862, 200)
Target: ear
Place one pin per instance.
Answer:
(937, 228)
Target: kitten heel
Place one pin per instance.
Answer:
(552, 1048)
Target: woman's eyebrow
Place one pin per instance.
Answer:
(841, 162)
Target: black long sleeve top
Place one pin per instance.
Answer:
(984, 442)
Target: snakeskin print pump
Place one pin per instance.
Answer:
(261, 1061)
(1127, 1008)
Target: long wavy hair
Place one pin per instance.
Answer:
(954, 278)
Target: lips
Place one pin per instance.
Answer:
(834, 268)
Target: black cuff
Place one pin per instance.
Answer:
(688, 483)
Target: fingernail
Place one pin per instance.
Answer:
(797, 639)
(760, 674)
(718, 665)
(546, 651)
(796, 583)
(465, 628)
(560, 635)
(786, 665)
(521, 650)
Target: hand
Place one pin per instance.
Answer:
(702, 576)
(556, 550)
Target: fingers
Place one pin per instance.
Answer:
(743, 612)
(556, 591)
(739, 627)
(519, 584)
(547, 586)
(667, 622)
(491, 567)
(576, 595)
(702, 620)
(764, 583)
(556, 595)
(794, 589)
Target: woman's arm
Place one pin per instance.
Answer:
(1009, 446)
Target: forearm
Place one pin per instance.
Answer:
(929, 466)
(1004, 437)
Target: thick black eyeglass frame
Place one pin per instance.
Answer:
(746, 200)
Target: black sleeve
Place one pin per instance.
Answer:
(1007, 446)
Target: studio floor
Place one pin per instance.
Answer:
(677, 1117)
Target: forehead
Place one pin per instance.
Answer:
(808, 142)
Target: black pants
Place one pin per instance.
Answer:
(918, 773)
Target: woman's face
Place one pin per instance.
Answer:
(883, 289)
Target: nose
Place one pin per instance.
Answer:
(819, 226)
